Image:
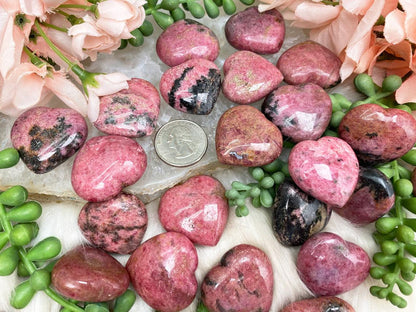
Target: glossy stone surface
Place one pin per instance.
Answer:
(105, 165)
(191, 87)
(131, 112)
(184, 40)
(376, 134)
(310, 62)
(243, 281)
(196, 208)
(372, 198)
(301, 112)
(321, 304)
(89, 274)
(245, 137)
(162, 271)
(327, 169)
(116, 225)
(46, 137)
(329, 265)
(261, 33)
(296, 215)
(248, 77)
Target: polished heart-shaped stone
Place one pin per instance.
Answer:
(248, 77)
(196, 208)
(329, 265)
(245, 137)
(376, 134)
(162, 271)
(243, 281)
(89, 274)
(327, 169)
(191, 87)
(46, 137)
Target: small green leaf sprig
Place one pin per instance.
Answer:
(166, 12)
(395, 233)
(18, 228)
(383, 96)
(262, 192)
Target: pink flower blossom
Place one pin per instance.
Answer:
(107, 84)
(27, 86)
(39, 8)
(12, 36)
(274, 4)
(119, 17)
(88, 39)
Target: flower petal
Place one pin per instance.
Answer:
(312, 15)
(358, 7)
(406, 92)
(67, 92)
(394, 29)
(336, 35)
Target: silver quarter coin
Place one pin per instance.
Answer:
(180, 143)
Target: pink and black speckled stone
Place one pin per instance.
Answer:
(327, 169)
(243, 281)
(184, 40)
(89, 274)
(301, 112)
(248, 77)
(311, 62)
(261, 33)
(329, 265)
(191, 87)
(321, 304)
(131, 112)
(196, 208)
(376, 134)
(162, 271)
(46, 137)
(372, 198)
(105, 165)
(244, 137)
(116, 225)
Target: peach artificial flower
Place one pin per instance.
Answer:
(88, 39)
(275, 4)
(12, 36)
(39, 8)
(107, 84)
(27, 86)
(119, 17)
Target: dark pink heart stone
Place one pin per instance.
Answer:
(197, 208)
(243, 281)
(376, 134)
(116, 225)
(245, 137)
(89, 274)
(131, 112)
(248, 77)
(327, 169)
(162, 271)
(258, 32)
(105, 165)
(329, 265)
(46, 137)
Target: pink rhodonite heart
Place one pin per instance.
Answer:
(197, 208)
(326, 169)
(242, 281)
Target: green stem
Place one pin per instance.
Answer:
(63, 302)
(33, 58)
(52, 46)
(7, 227)
(63, 13)
(55, 27)
(329, 2)
(75, 6)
